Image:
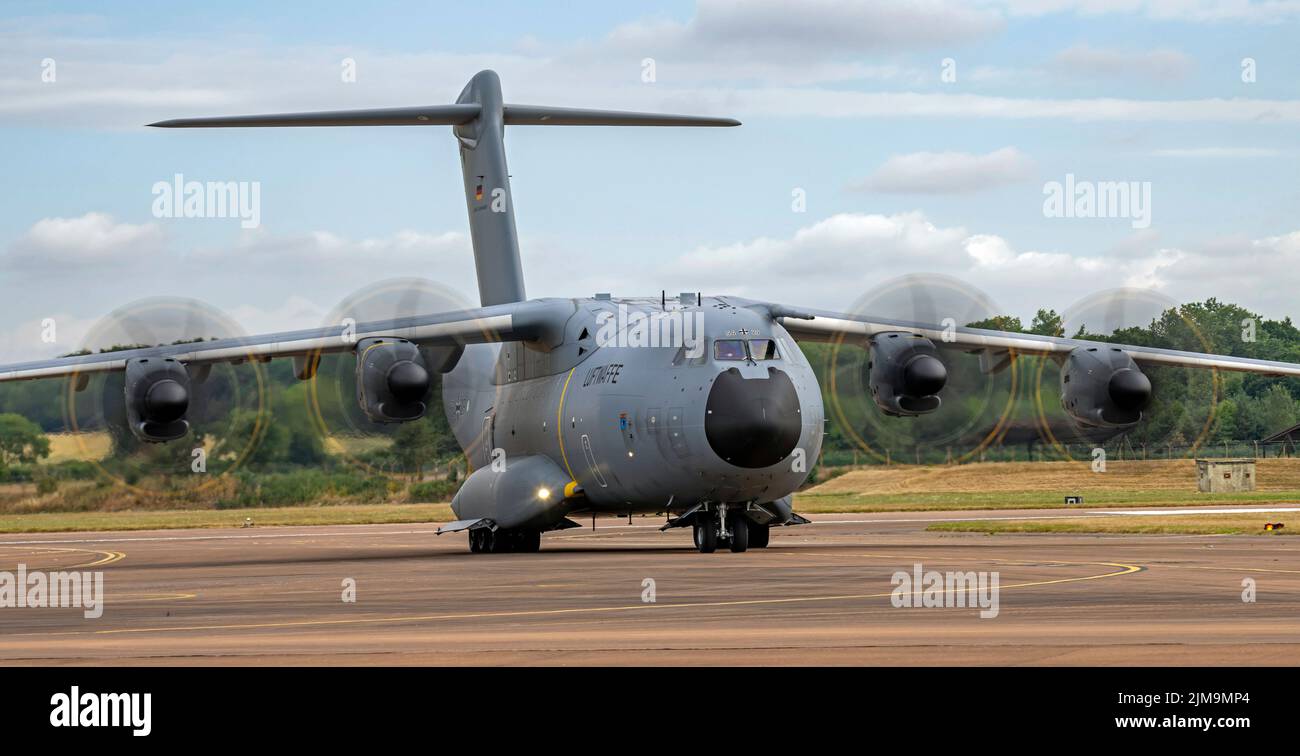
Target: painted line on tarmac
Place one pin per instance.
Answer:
(877, 521)
(1119, 568)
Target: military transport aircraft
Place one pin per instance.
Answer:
(700, 407)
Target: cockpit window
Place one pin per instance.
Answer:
(728, 349)
(763, 349)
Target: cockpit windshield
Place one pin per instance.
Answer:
(736, 350)
(728, 349)
(763, 349)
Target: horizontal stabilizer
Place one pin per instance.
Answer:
(427, 115)
(449, 115)
(542, 115)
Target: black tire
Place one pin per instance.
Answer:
(475, 541)
(530, 541)
(492, 542)
(706, 536)
(738, 524)
(759, 535)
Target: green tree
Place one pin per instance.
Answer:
(999, 323)
(415, 445)
(21, 441)
(1047, 323)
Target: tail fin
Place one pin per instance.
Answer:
(479, 118)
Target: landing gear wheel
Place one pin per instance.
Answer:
(476, 541)
(739, 526)
(491, 543)
(530, 541)
(706, 535)
(759, 535)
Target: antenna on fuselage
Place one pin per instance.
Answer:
(479, 118)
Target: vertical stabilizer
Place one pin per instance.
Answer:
(487, 193)
(478, 118)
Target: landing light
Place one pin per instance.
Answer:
(543, 493)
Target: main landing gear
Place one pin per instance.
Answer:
(488, 541)
(729, 528)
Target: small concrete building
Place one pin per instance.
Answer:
(1225, 475)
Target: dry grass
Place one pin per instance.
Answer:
(354, 446)
(1274, 475)
(994, 485)
(78, 446)
(353, 514)
(1212, 524)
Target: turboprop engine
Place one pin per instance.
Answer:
(1102, 386)
(392, 380)
(157, 391)
(906, 374)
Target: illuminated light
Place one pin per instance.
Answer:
(543, 493)
(629, 454)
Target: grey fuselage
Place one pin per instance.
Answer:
(636, 422)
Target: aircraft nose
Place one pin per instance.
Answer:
(752, 423)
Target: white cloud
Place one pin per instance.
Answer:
(782, 103)
(261, 249)
(271, 283)
(26, 340)
(948, 172)
(293, 313)
(1155, 65)
(814, 28)
(1199, 11)
(837, 262)
(760, 59)
(91, 265)
(91, 240)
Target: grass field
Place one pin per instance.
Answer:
(1214, 524)
(1035, 485)
(993, 485)
(97, 445)
(224, 518)
(83, 446)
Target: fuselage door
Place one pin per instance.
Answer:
(591, 461)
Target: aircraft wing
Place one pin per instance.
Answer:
(995, 346)
(523, 321)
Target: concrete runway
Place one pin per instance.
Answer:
(818, 595)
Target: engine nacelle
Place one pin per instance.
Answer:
(392, 380)
(906, 374)
(1102, 386)
(530, 491)
(157, 394)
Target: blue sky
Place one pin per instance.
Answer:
(903, 172)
